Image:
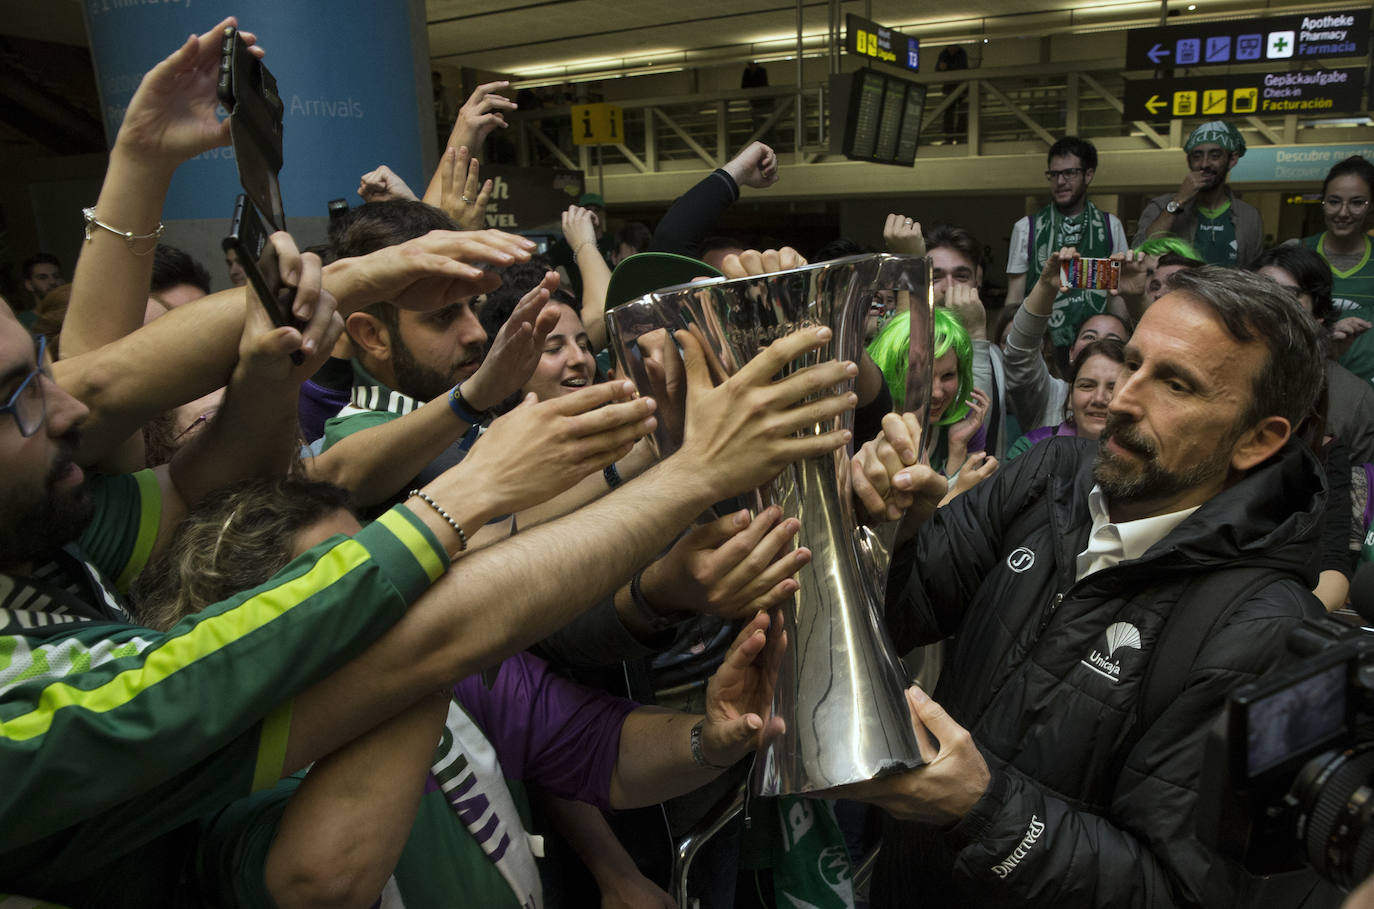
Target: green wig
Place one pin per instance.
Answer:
(1160, 244)
(890, 351)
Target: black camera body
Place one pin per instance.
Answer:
(1287, 773)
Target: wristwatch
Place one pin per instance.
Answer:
(699, 756)
(1173, 207)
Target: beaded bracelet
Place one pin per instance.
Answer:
(462, 537)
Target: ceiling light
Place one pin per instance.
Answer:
(1191, 7)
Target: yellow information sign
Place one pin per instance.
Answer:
(1244, 100)
(1185, 104)
(1214, 101)
(598, 124)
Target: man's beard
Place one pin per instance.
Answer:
(39, 522)
(1217, 179)
(1132, 480)
(415, 379)
(1074, 201)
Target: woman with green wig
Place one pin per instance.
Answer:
(957, 408)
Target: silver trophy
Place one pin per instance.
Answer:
(840, 687)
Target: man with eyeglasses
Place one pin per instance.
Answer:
(1069, 220)
(1203, 210)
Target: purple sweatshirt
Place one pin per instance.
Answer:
(548, 730)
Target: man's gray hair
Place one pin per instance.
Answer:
(1254, 308)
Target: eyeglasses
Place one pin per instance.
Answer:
(1333, 204)
(28, 404)
(1067, 173)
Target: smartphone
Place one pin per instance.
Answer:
(248, 239)
(248, 92)
(1090, 274)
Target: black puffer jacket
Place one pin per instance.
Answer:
(1084, 809)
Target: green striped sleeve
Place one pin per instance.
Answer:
(408, 550)
(188, 643)
(276, 729)
(149, 519)
(128, 510)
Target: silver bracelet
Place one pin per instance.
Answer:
(699, 756)
(129, 236)
(462, 537)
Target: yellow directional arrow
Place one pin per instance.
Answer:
(1154, 105)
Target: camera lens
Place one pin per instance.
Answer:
(1334, 796)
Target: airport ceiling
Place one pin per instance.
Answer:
(531, 37)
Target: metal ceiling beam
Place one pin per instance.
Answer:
(1019, 113)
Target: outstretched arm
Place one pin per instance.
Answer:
(255, 431)
(656, 760)
(1029, 383)
(483, 111)
(192, 350)
(690, 218)
(738, 434)
(171, 118)
(579, 228)
(374, 464)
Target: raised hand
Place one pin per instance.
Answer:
(462, 194)
(172, 116)
(741, 433)
(516, 349)
(264, 349)
(739, 696)
(886, 478)
(383, 184)
(967, 306)
(579, 227)
(753, 262)
(1193, 183)
(977, 467)
(427, 272)
(482, 112)
(732, 567)
(755, 166)
(1134, 272)
(961, 432)
(903, 236)
(573, 435)
(1344, 332)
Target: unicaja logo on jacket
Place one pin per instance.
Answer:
(1119, 635)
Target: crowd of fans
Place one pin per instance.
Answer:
(418, 618)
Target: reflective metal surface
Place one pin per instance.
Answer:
(840, 688)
